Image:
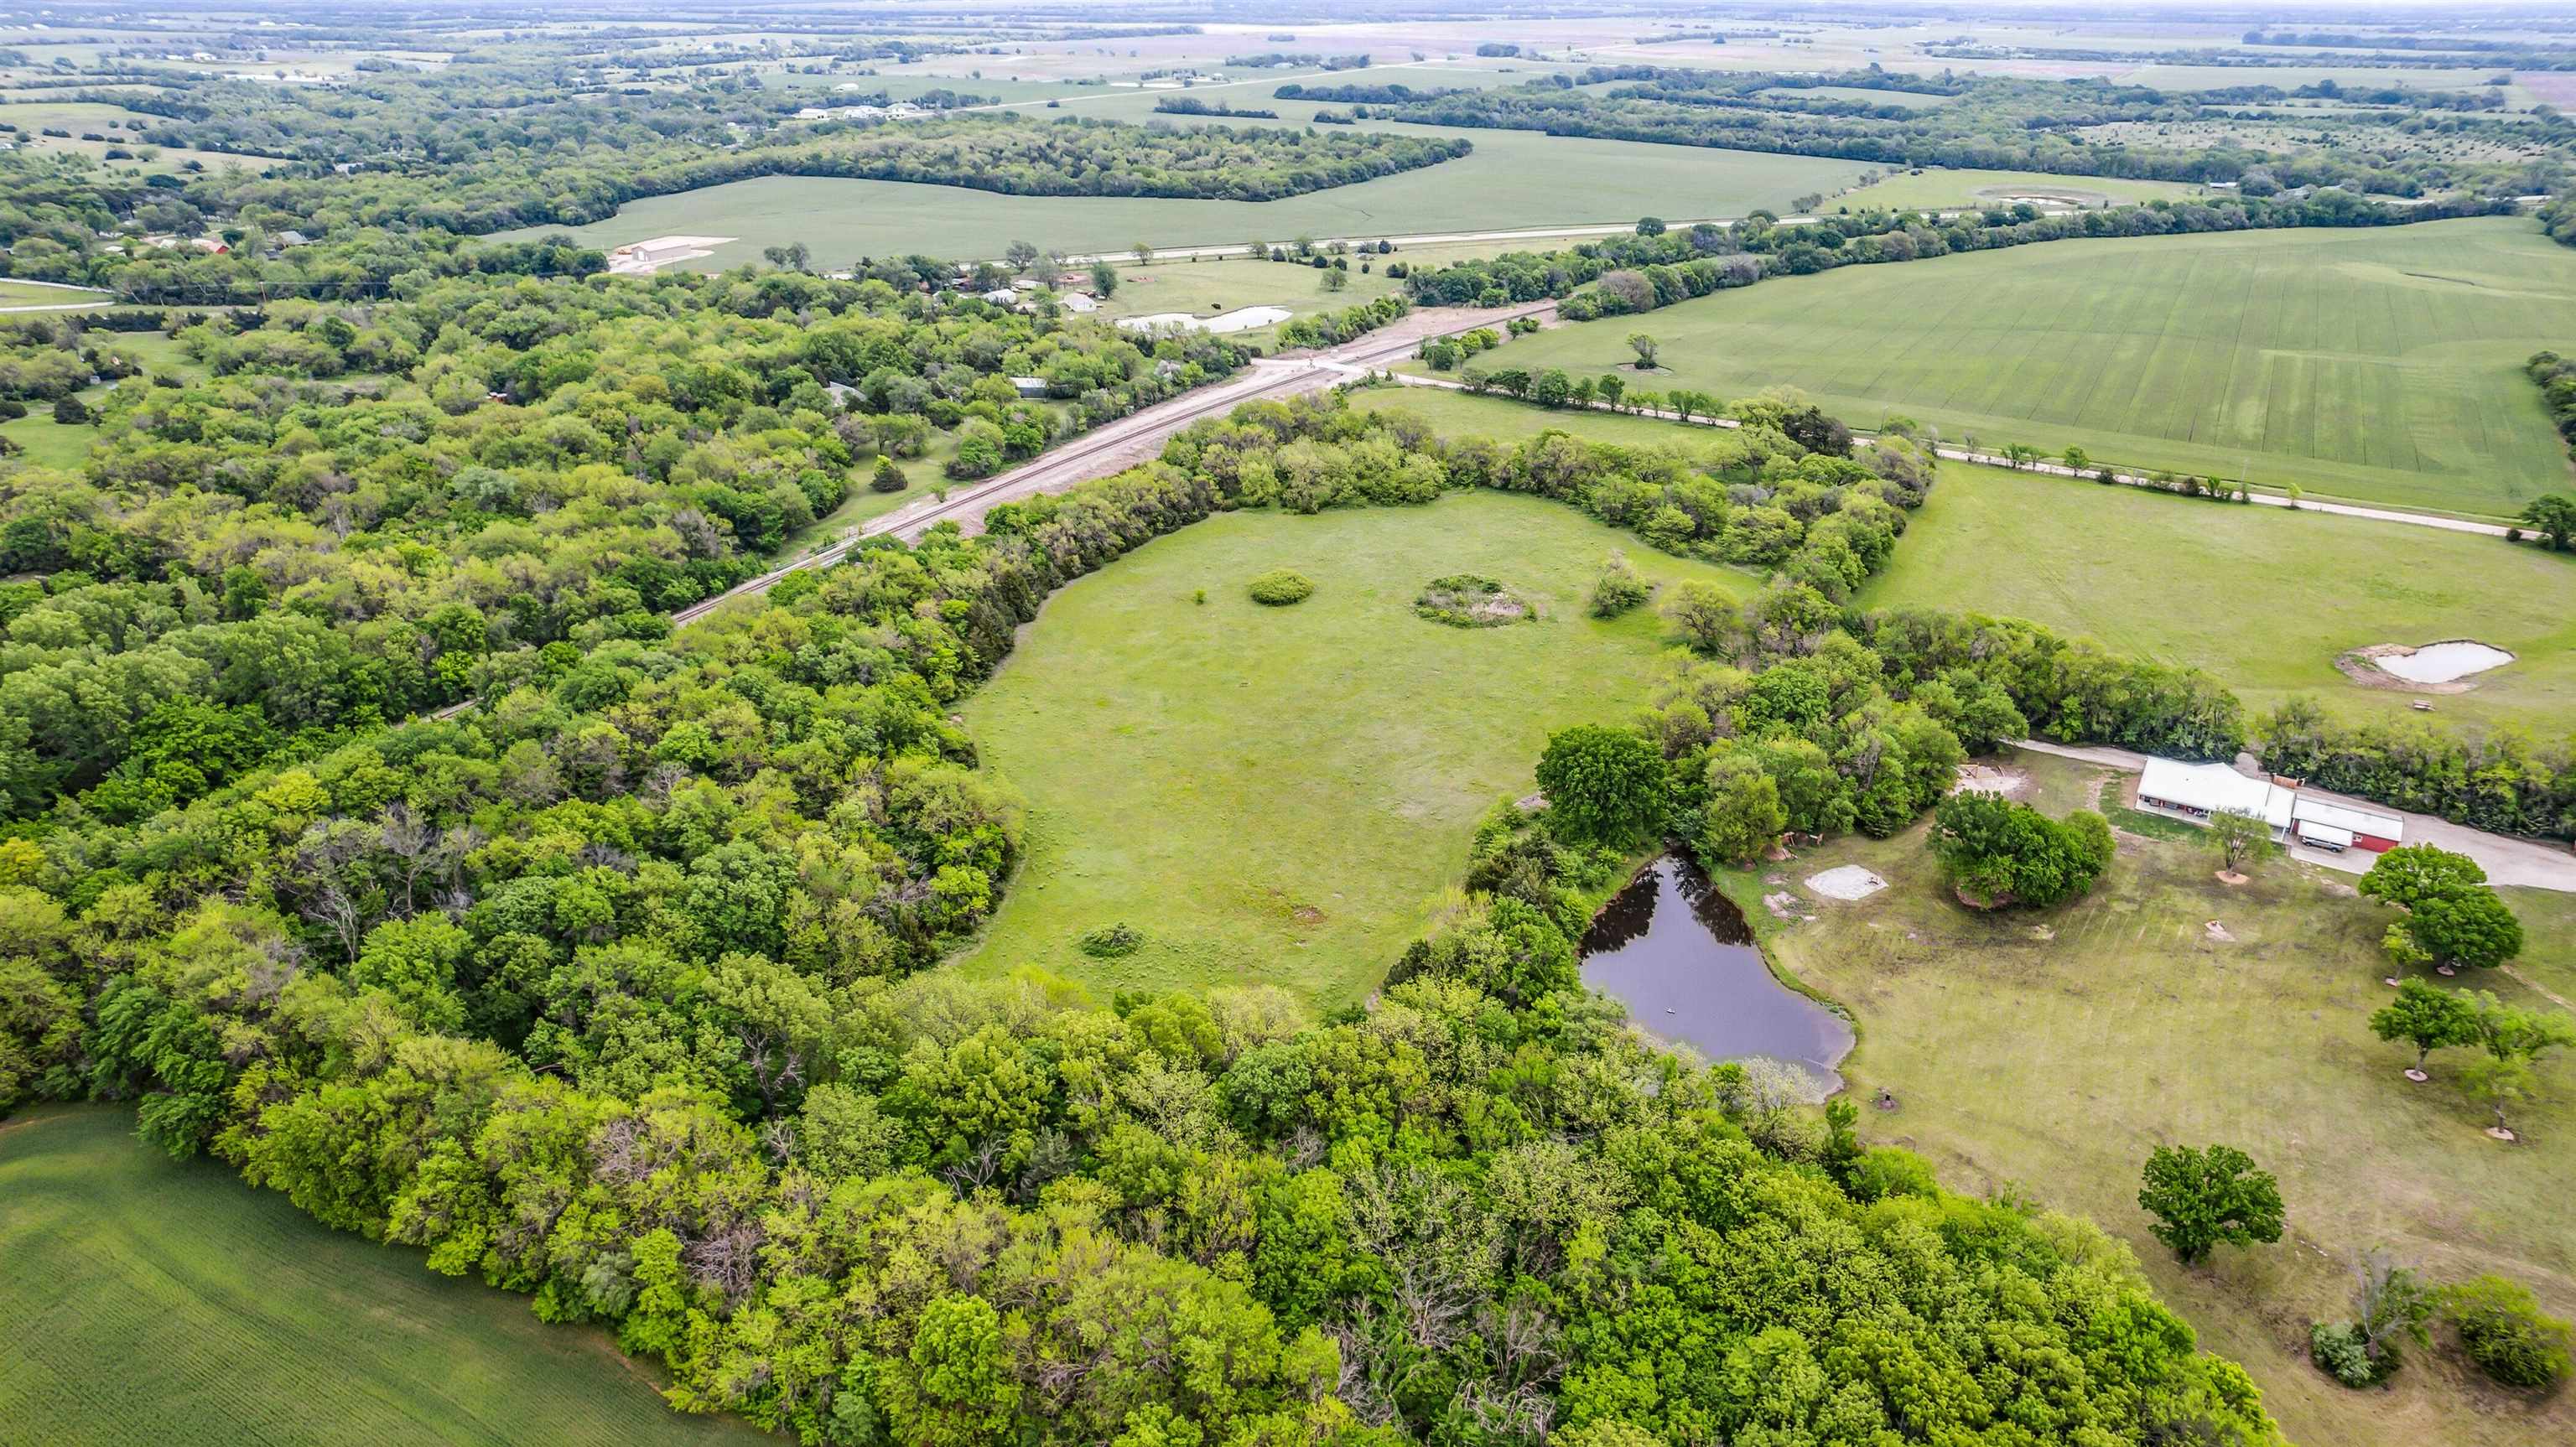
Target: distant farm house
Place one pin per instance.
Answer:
(643, 258)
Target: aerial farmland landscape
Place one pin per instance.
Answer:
(1630, 724)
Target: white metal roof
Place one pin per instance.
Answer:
(2215, 788)
(2312, 810)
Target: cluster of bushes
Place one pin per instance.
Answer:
(2498, 1323)
(1471, 600)
(1280, 587)
(1996, 852)
(1270, 59)
(2556, 377)
(1185, 105)
(1325, 329)
(1445, 353)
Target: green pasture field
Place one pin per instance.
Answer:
(20, 293)
(154, 1301)
(1285, 795)
(1937, 188)
(2047, 1052)
(1514, 180)
(2383, 365)
(2264, 598)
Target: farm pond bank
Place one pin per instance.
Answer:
(1681, 957)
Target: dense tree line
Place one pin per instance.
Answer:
(2503, 780)
(1658, 267)
(1015, 155)
(372, 510)
(1351, 94)
(1992, 122)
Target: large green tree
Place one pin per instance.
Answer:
(2201, 1198)
(1603, 785)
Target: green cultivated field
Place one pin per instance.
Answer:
(2263, 598)
(2049, 1052)
(1514, 180)
(2383, 365)
(1285, 795)
(150, 1301)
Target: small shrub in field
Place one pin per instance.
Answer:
(2504, 1331)
(1111, 941)
(1280, 587)
(1468, 600)
(1620, 588)
(2340, 1353)
(888, 477)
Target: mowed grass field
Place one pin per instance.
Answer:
(1513, 180)
(1285, 795)
(153, 1301)
(2049, 1052)
(2262, 597)
(2382, 365)
(1942, 188)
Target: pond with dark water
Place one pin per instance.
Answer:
(1680, 956)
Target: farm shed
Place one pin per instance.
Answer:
(2321, 822)
(1029, 386)
(2196, 791)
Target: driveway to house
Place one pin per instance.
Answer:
(2526, 863)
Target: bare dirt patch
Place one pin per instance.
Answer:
(2447, 667)
(1992, 779)
(1846, 882)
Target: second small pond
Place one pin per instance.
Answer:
(1680, 956)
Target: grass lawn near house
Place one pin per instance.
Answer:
(2382, 364)
(2047, 1052)
(1285, 795)
(150, 1300)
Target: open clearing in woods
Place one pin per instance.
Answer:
(1282, 795)
(2383, 365)
(2049, 1051)
(150, 1300)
